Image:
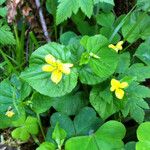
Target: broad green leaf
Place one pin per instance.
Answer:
(83, 26)
(130, 146)
(40, 80)
(65, 123)
(102, 139)
(142, 30)
(143, 4)
(7, 37)
(143, 53)
(3, 11)
(135, 103)
(124, 62)
(86, 6)
(41, 103)
(102, 100)
(108, 1)
(138, 71)
(59, 135)
(11, 97)
(46, 146)
(104, 1)
(87, 76)
(31, 125)
(86, 122)
(51, 6)
(2, 1)
(65, 9)
(105, 65)
(66, 37)
(143, 133)
(105, 19)
(108, 31)
(70, 104)
(23, 132)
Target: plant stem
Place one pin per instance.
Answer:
(42, 20)
(40, 124)
(36, 140)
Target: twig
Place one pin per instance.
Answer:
(42, 20)
(27, 45)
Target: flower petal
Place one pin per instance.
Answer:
(119, 45)
(56, 76)
(115, 83)
(124, 85)
(66, 68)
(50, 59)
(48, 68)
(119, 93)
(10, 113)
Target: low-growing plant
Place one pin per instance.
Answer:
(87, 88)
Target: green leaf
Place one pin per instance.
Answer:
(105, 19)
(41, 103)
(135, 103)
(66, 37)
(143, 133)
(108, 31)
(65, 123)
(87, 76)
(2, 1)
(138, 71)
(23, 132)
(124, 62)
(102, 100)
(105, 65)
(31, 125)
(86, 122)
(142, 30)
(103, 138)
(46, 146)
(51, 6)
(40, 80)
(86, 7)
(3, 11)
(65, 9)
(70, 104)
(59, 135)
(7, 37)
(11, 97)
(107, 1)
(83, 26)
(143, 4)
(130, 146)
(143, 53)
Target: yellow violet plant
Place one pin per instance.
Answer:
(56, 67)
(117, 47)
(118, 87)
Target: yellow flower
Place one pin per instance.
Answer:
(10, 113)
(56, 67)
(117, 86)
(117, 47)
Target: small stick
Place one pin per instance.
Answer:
(42, 20)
